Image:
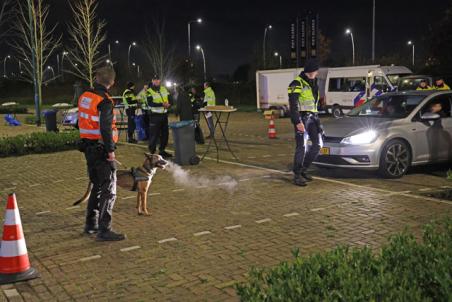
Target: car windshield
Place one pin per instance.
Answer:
(409, 83)
(388, 106)
(394, 78)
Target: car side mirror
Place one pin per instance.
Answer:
(428, 116)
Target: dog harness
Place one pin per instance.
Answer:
(138, 175)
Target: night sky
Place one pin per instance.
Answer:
(233, 30)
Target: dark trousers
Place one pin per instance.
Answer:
(303, 159)
(102, 174)
(199, 136)
(131, 126)
(158, 131)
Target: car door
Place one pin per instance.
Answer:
(434, 138)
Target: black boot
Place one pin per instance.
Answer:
(110, 236)
(90, 230)
(299, 181)
(306, 176)
(165, 154)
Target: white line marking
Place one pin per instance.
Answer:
(57, 181)
(202, 233)
(446, 187)
(245, 179)
(11, 293)
(251, 157)
(425, 189)
(343, 183)
(291, 214)
(154, 194)
(317, 209)
(128, 197)
(90, 258)
(267, 155)
(130, 248)
(72, 208)
(8, 189)
(178, 190)
(266, 176)
(81, 178)
(167, 240)
(201, 187)
(43, 212)
(263, 220)
(232, 227)
(34, 185)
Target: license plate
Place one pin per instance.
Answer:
(325, 151)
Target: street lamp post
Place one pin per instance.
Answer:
(349, 32)
(128, 54)
(198, 47)
(4, 65)
(411, 43)
(199, 21)
(65, 53)
(280, 59)
(373, 32)
(58, 63)
(263, 46)
(51, 69)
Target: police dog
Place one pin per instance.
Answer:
(136, 179)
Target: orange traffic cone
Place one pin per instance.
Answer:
(14, 263)
(271, 128)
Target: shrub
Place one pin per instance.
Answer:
(12, 110)
(33, 143)
(405, 270)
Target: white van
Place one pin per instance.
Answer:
(341, 88)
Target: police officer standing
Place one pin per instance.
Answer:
(440, 85)
(209, 100)
(303, 100)
(158, 102)
(129, 99)
(196, 104)
(99, 135)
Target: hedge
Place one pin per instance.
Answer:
(404, 270)
(33, 143)
(13, 109)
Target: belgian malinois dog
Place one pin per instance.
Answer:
(138, 179)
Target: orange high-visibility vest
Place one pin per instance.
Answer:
(88, 116)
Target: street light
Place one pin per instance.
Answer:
(373, 32)
(199, 21)
(128, 54)
(4, 65)
(65, 53)
(109, 49)
(265, 39)
(109, 62)
(348, 31)
(198, 47)
(276, 54)
(412, 44)
(51, 69)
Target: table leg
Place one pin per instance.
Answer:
(223, 132)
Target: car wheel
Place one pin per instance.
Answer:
(336, 111)
(395, 159)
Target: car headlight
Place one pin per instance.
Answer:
(361, 139)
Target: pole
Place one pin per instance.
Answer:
(263, 46)
(353, 48)
(4, 66)
(373, 32)
(58, 64)
(413, 56)
(204, 61)
(138, 71)
(128, 58)
(189, 40)
(280, 62)
(109, 51)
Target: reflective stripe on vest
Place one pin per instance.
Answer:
(158, 97)
(88, 116)
(306, 100)
(209, 96)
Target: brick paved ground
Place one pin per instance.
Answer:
(200, 241)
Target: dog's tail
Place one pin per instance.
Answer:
(86, 196)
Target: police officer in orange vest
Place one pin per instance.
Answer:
(99, 135)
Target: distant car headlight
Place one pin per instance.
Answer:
(361, 139)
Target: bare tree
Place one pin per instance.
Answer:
(160, 54)
(87, 33)
(34, 45)
(5, 16)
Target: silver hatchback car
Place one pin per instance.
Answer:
(390, 133)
